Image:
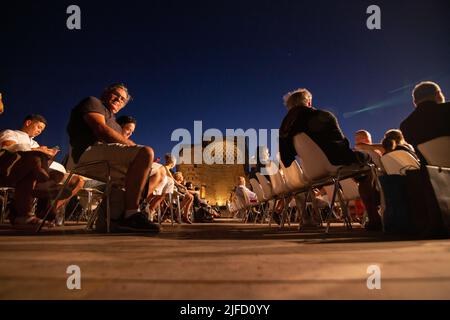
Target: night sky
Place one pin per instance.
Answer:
(227, 63)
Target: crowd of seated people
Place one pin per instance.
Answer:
(187, 197)
(96, 135)
(160, 182)
(323, 128)
(394, 141)
(22, 140)
(165, 186)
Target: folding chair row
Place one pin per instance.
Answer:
(315, 172)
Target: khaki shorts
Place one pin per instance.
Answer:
(119, 157)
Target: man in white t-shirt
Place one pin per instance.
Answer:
(23, 140)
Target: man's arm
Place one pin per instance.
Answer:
(370, 147)
(97, 123)
(8, 138)
(8, 143)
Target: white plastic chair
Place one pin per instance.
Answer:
(106, 178)
(261, 199)
(268, 194)
(265, 185)
(348, 191)
(280, 192)
(436, 151)
(5, 193)
(295, 180)
(397, 162)
(296, 185)
(320, 172)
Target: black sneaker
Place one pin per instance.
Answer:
(138, 222)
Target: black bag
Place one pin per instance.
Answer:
(429, 195)
(202, 215)
(397, 216)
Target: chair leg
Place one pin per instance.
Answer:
(344, 206)
(94, 215)
(108, 207)
(70, 217)
(159, 214)
(171, 209)
(179, 208)
(53, 203)
(303, 207)
(283, 214)
(4, 204)
(333, 199)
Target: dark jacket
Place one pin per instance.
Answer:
(428, 121)
(322, 127)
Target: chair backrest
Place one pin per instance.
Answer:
(436, 151)
(239, 202)
(258, 190)
(376, 158)
(265, 185)
(349, 189)
(397, 162)
(278, 183)
(294, 176)
(315, 163)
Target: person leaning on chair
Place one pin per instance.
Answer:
(430, 118)
(322, 127)
(96, 136)
(23, 140)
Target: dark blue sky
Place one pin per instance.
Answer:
(227, 63)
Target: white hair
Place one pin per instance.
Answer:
(297, 98)
(427, 91)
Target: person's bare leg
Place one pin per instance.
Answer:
(75, 184)
(153, 182)
(136, 178)
(156, 201)
(189, 200)
(23, 198)
(26, 165)
(24, 176)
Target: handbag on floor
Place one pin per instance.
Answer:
(397, 217)
(429, 195)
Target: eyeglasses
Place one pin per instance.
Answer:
(119, 96)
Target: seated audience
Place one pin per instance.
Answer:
(96, 136)
(128, 125)
(165, 186)
(158, 183)
(394, 141)
(363, 142)
(244, 193)
(188, 197)
(322, 127)
(389, 145)
(430, 118)
(22, 170)
(23, 140)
